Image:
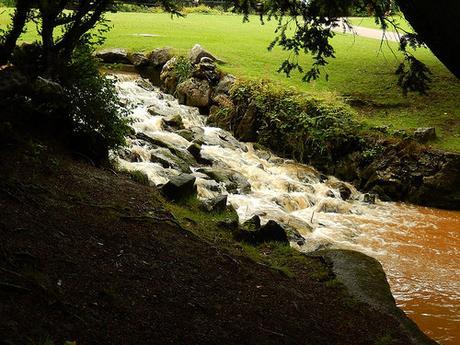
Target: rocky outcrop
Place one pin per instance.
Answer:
(180, 187)
(158, 57)
(365, 280)
(114, 55)
(395, 170)
(217, 204)
(234, 182)
(253, 232)
(194, 92)
(198, 52)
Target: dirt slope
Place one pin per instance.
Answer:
(87, 255)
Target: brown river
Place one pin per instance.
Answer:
(418, 247)
(423, 268)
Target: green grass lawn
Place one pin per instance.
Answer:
(363, 70)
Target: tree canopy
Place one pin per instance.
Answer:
(305, 26)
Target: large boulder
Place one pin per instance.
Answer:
(217, 204)
(180, 187)
(233, 181)
(139, 60)
(206, 71)
(194, 92)
(252, 232)
(160, 56)
(195, 150)
(198, 52)
(225, 84)
(113, 55)
(364, 279)
(168, 76)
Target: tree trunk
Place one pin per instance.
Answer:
(19, 21)
(438, 24)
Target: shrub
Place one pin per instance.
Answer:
(298, 124)
(201, 9)
(94, 108)
(7, 3)
(182, 69)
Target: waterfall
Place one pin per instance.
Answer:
(258, 182)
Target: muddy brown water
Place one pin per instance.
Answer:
(423, 268)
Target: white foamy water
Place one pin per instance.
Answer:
(418, 247)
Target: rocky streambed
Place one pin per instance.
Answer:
(172, 145)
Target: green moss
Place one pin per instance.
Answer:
(139, 177)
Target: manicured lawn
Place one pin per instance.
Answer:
(363, 70)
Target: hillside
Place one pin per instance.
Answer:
(88, 255)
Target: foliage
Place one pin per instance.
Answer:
(297, 124)
(308, 27)
(182, 69)
(139, 177)
(7, 3)
(94, 107)
(121, 7)
(202, 9)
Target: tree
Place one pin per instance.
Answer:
(306, 26)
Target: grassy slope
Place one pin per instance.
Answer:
(363, 69)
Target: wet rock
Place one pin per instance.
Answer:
(217, 204)
(168, 159)
(225, 84)
(272, 231)
(294, 236)
(252, 224)
(195, 151)
(115, 55)
(194, 92)
(160, 56)
(198, 52)
(129, 155)
(206, 71)
(168, 77)
(423, 135)
(187, 134)
(365, 280)
(246, 129)
(138, 59)
(233, 181)
(251, 232)
(145, 84)
(369, 198)
(344, 190)
(180, 187)
(174, 121)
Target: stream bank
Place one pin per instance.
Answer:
(299, 126)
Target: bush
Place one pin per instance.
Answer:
(133, 8)
(297, 124)
(182, 69)
(201, 9)
(7, 3)
(94, 108)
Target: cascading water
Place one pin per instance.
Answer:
(417, 246)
